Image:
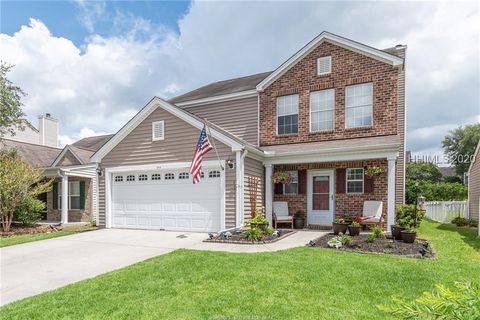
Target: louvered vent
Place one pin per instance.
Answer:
(158, 130)
(324, 65)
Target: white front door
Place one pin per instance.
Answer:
(320, 204)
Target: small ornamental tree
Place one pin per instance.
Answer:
(18, 181)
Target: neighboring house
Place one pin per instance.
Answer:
(474, 187)
(332, 110)
(45, 135)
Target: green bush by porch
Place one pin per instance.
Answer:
(302, 283)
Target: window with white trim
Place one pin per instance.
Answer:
(322, 110)
(355, 180)
(324, 65)
(183, 175)
(287, 114)
(73, 195)
(292, 187)
(359, 105)
(118, 178)
(214, 174)
(142, 177)
(169, 176)
(158, 130)
(156, 176)
(131, 177)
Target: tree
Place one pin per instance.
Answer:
(460, 144)
(18, 181)
(423, 172)
(11, 113)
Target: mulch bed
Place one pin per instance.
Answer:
(419, 249)
(240, 238)
(16, 229)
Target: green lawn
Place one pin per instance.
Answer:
(302, 283)
(24, 238)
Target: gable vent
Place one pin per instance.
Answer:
(158, 130)
(324, 65)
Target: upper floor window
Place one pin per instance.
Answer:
(359, 105)
(355, 180)
(158, 130)
(287, 114)
(322, 105)
(292, 187)
(324, 65)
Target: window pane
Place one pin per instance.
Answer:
(74, 188)
(355, 186)
(320, 202)
(74, 202)
(291, 188)
(322, 105)
(359, 104)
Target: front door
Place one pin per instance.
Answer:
(320, 204)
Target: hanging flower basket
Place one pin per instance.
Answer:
(282, 177)
(374, 171)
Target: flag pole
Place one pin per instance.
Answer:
(207, 124)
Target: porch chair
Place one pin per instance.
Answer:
(280, 213)
(372, 213)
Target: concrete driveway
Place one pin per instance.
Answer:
(32, 268)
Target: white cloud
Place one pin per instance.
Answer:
(103, 83)
(90, 12)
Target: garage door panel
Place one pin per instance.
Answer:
(166, 204)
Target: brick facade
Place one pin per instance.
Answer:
(352, 203)
(348, 68)
(84, 215)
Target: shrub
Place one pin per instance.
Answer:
(408, 216)
(435, 191)
(29, 211)
(254, 234)
(459, 221)
(472, 223)
(93, 222)
(268, 231)
(259, 219)
(346, 240)
(461, 302)
(371, 238)
(355, 224)
(389, 245)
(377, 232)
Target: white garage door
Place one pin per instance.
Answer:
(166, 200)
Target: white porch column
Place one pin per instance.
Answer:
(391, 193)
(238, 189)
(64, 199)
(268, 192)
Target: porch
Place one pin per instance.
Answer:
(327, 185)
(73, 198)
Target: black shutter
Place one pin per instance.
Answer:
(278, 188)
(302, 181)
(55, 195)
(368, 185)
(82, 195)
(341, 180)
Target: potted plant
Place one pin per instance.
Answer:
(397, 230)
(354, 228)
(339, 225)
(281, 177)
(409, 235)
(374, 171)
(299, 219)
(259, 222)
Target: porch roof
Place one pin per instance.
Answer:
(391, 142)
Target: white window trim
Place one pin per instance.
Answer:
(163, 130)
(346, 180)
(69, 195)
(277, 115)
(292, 193)
(310, 112)
(346, 108)
(329, 64)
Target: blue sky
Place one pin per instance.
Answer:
(74, 58)
(65, 18)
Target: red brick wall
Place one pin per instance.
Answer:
(343, 201)
(348, 68)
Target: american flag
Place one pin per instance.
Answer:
(203, 146)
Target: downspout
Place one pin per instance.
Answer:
(239, 196)
(242, 203)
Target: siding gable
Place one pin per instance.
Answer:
(68, 159)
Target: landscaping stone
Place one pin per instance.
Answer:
(240, 238)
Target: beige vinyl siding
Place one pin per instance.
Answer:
(253, 168)
(239, 116)
(68, 159)
(180, 139)
(474, 189)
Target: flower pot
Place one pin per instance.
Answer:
(299, 222)
(354, 231)
(339, 227)
(408, 237)
(397, 232)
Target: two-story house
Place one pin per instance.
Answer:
(326, 116)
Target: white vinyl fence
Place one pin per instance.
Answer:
(445, 211)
